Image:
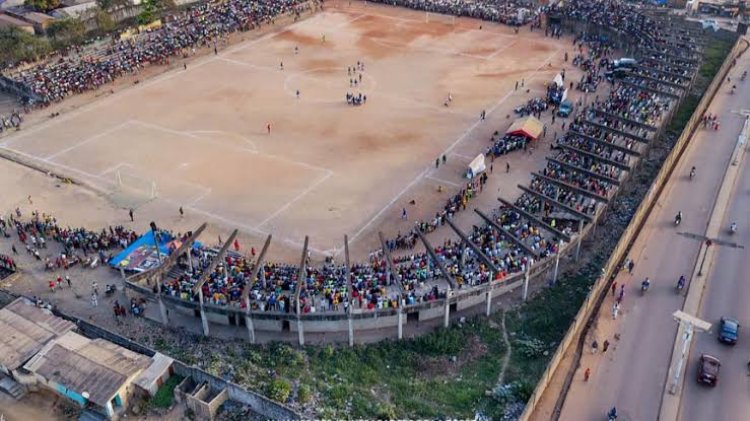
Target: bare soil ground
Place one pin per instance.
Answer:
(198, 138)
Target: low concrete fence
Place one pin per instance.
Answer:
(591, 305)
(257, 402)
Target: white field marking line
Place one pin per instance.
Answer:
(192, 136)
(252, 151)
(440, 180)
(438, 50)
(114, 168)
(200, 197)
(299, 196)
(93, 138)
(251, 65)
(192, 208)
(470, 158)
(222, 132)
(501, 49)
(151, 81)
(446, 151)
(233, 223)
(390, 203)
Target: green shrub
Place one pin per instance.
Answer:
(165, 394)
(279, 390)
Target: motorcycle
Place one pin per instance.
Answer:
(110, 289)
(733, 228)
(678, 218)
(644, 286)
(680, 284)
(692, 173)
(612, 414)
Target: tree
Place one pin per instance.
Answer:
(17, 45)
(42, 5)
(104, 21)
(108, 5)
(66, 31)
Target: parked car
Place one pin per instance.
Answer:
(624, 63)
(708, 369)
(566, 108)
(729, 330)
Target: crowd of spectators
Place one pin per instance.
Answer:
(513, 242)
(204, 25)
(509, 12)
(9, 122)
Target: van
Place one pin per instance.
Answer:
(566, 108)
(624, 63)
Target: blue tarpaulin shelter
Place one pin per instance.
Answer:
(141, 255)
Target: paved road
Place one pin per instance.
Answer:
(633, 372)
(727, 294)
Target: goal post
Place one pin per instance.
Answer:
(431, 17)
(135, 185)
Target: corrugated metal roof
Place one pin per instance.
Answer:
(97, 367)
(24, 330)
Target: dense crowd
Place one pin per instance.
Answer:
(79, 245)
(9, 122)
(512, 243)
(510, 12)
(203, 25)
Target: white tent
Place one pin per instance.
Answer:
(476, 166)
(558, 79)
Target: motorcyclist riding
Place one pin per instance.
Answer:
(612, 414)
(678, 218)
(692, 173)
(733, 88)
(681, 282)
(645, 284)
(733, 227)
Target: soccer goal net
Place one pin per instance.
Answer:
(135, 185)
(431, 17)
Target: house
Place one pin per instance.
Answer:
(97, 374)
(24, 330)
(7, 21)
(40, 21)
(75, 11)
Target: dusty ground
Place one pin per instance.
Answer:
(327, 169)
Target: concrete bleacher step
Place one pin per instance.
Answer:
(175, 272)
(12, 388)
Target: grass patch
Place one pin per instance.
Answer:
(165, 395)
(714, 54)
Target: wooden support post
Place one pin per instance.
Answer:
(163, 311)
(401, 323)
(489, 301)
(447, 319)
(526, 282)
(348, 290)
(557, 261)
(204, 318)
(580, 238)
(249, 322)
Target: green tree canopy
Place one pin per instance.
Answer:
(17, 45)
(66, 31)
(42, 5)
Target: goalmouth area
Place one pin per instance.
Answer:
(198, 138)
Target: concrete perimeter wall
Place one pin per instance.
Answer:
(590, 307)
